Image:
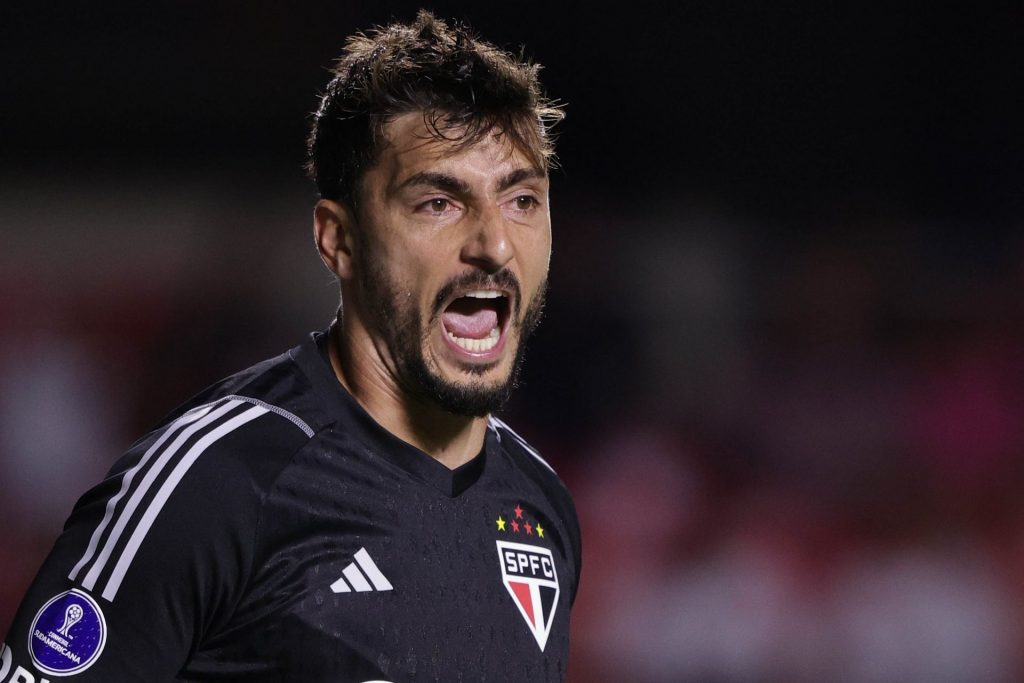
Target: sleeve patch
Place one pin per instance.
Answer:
(68, 634)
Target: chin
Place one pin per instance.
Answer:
(475, 390)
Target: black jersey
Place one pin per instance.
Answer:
(271, 530)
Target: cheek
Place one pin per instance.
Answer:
(536, 257)
(418, 275)
(398, 257)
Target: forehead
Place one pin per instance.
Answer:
(410, 146)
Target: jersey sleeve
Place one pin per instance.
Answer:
(154, 557)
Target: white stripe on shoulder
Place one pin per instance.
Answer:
(292, 417)
(126, 482)
(495, 423)
(89, 582)
(157, 504)
(195, 420)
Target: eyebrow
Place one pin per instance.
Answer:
(450, 183)
(518, 176)
(442, 181)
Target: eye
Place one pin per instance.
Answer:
(525, 202)
(437, 206)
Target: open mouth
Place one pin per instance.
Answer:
(475, 321)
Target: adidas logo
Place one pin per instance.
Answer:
(369, 579)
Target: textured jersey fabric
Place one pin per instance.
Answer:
(271, 530)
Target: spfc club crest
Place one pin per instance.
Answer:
(528, 572)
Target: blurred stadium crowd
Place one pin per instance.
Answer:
(796, 454)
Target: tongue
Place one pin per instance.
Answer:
(470, 325)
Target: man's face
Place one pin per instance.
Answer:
(451, 262)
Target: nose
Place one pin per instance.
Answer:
(487, 244)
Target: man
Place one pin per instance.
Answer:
(349, 511)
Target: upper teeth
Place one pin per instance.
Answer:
(483, 294)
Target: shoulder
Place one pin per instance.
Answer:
(229, 433)
(515, 443)
(243, 428)
(226, 447)
(279, 385)
(532, 463)
(184, 502)
(168, 540)
(230, 441)
(205, 470)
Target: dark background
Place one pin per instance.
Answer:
(781, 366)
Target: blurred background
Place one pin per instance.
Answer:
(781, 368)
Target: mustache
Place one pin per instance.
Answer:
(504, 279)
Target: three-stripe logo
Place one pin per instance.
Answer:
(369, 579)
(147, 486)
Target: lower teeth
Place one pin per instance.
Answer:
(477, 345)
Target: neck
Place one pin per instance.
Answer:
(452, 440)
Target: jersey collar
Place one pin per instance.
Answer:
(313, 358)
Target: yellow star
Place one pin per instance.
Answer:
(501, 523)
(540, 531)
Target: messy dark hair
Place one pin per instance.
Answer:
(466, 89)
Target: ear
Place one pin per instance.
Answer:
(333, 229)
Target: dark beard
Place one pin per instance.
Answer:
(400, 323)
